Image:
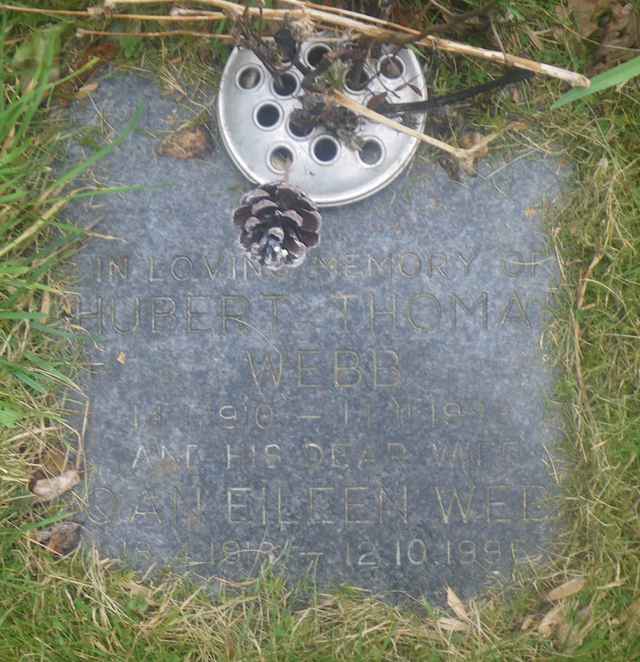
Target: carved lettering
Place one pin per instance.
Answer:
(497, 509)
(247, 459)
(481, 302)
(306, 373)
(83, 315)
(430, 313)
(154, 276)
(234, 309)
(451, 502)
(266, 368)
(276, 300)
(533, 509)
(515, 311)
(213, 269)
(134, 318)
(272, 455)
(410, 265)
(237, 504)
(193, 315)
(376, 313)
(466, 261)
(347, 372)
(382, 266)
(356, 508)
(386, 368)
(141, 456)
(163, 314)
(118, 267)
(181, 268)
(345, 300)
(317, 494)
(147, 510)
(437, 263)
(351, 268)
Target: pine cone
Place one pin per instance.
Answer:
(279, 223)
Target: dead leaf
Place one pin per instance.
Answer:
(104, 52)
(567, 589)
(140, 591)
(121, 358)
(552, 619)
(51, 488)
(453, 625)
(456, 605)
(530, 212)
(620, 36)
(189, 143)
(86, 90)
(563, 14)
(451, 166)
(632, 615)
(528, 622)
(614, 23)
(586, 14)
(571, 634)
(535, 38)
(60, 539)
(53, 461)
(45, 307)
(472, 138)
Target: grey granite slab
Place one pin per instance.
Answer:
(375, 417)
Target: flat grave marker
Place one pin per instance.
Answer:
(374, 417)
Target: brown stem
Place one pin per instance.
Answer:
(210, 17)
(52, 12)
(390, 33)
(465, 156)
(81, 32)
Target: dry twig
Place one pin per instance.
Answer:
(81, 32)
(349, 21)
(98, 12)
(577, 330)
(387, 31)
(466, 157)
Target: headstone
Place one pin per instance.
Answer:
(375, 417)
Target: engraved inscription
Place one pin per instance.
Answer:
(422, 313)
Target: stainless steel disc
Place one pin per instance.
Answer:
(254, 114)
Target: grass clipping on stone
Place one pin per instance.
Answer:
(584, 605)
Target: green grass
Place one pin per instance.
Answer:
(83, 608)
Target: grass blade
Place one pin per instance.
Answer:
(616, 76)
(77, 170)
